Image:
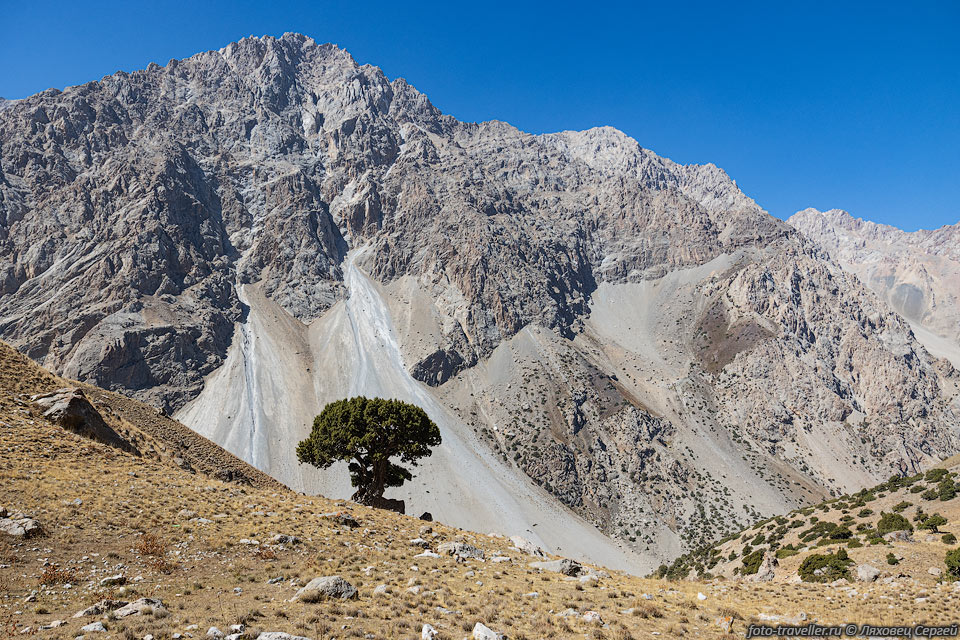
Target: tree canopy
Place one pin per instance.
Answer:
(367, 432)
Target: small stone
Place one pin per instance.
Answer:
(592, 617)
(94, 627)
(428, 632)
(701, 596)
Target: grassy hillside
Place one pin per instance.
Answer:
(206, 549)
(863, 526)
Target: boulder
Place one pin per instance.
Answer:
(765, 573)
(139, 607)
(342, 518)
(460, 550)
(70, 409)
(18, 525)
(867, 573)
(525, 546)
(428, 632)
(898, 536)
(94, 627)
(565, 566)
(326, 587)
(483, 632)
(592, 617)
(100, 608)
(113, 581)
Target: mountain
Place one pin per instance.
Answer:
(123, 545)
(627, 357)
(916, 273)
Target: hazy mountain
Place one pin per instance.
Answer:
(916, 273)
(244, 235)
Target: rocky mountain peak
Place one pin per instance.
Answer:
(246, 234)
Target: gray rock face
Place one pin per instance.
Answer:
(333, 587)
(70, 409)
(766, 572)
(649, 334)
(917, 273)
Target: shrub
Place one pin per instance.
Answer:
(902, 506)
(892, 522)
(952, 561)
(930, 494)
(841, 533)
(151, 544)
(825, 567)
(948, 538)
(786, 552)
(865, 512)
(935, 475)
(751, 563)
(933, 523)
(892, 559)
(947, 490)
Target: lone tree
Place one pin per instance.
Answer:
(367, 432)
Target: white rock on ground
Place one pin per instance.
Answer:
(483, 632)
(138, 607)
(867, 573)
(333, 587)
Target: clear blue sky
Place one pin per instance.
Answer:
(835, 104)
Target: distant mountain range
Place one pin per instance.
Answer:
(627, 357)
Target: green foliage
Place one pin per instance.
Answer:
(751, 562)
(892, 522)
(367, 432)
(829, 566)
(946, 490)
(930, 494)
(841, 533)
(935, 475)
(892, 559)
(917, 488)
(902, 506)
(865, 512)
(953, 563)
(786, 552)
(948, 538)
(933, 523)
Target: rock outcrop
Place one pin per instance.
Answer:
(917, 273)
(70, 409)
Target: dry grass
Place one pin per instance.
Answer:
(129, 523)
